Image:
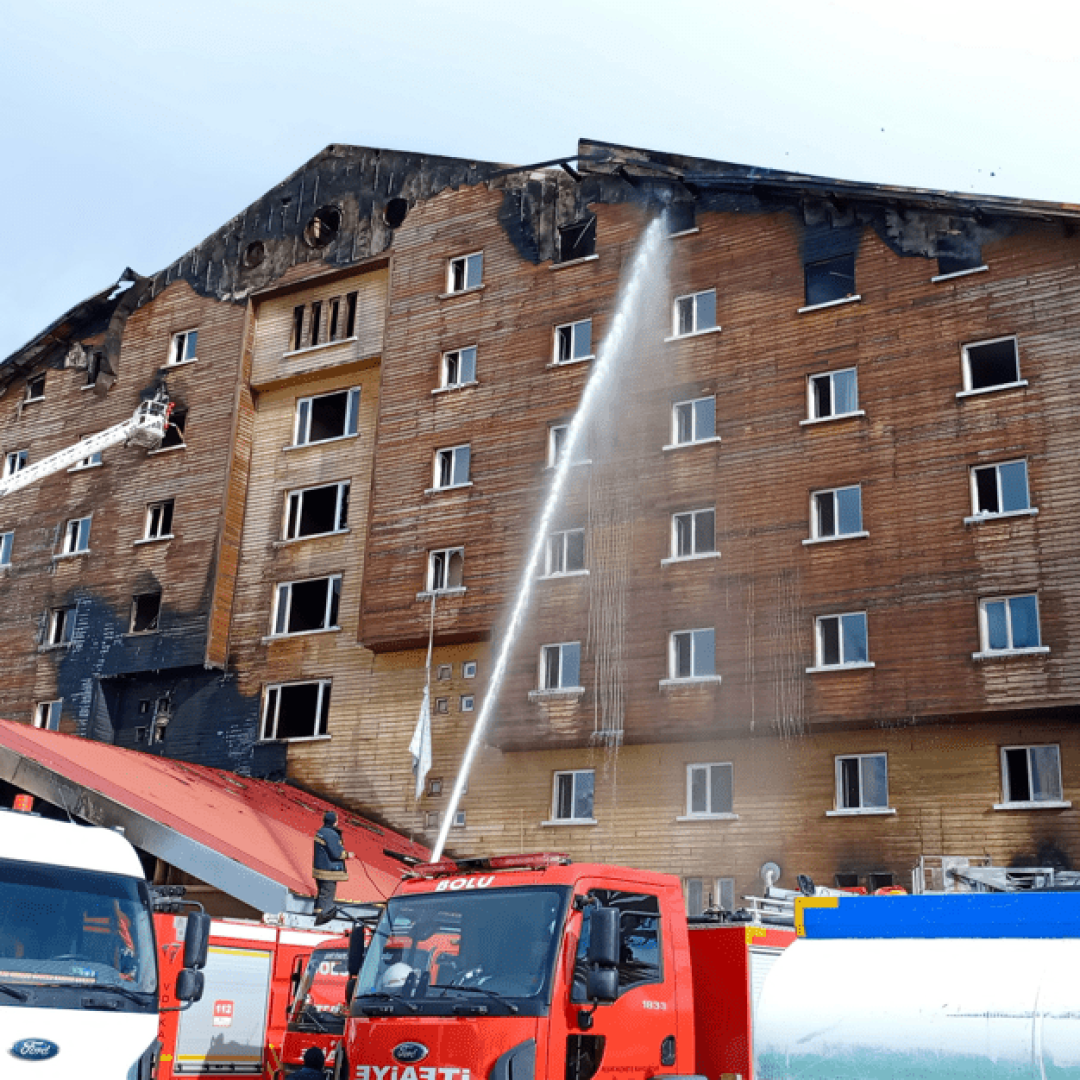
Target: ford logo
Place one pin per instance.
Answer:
(410, 1053)
(35, 1049)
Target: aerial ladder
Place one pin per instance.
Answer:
(145, 428)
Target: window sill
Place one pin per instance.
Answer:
(53, 646)
(139, 633)
(1004, 654)
(563, 693)
(571, 362)
(88, 386)
(960, 273)
(70, 555)
(694, 680)
(312, 536)
(869, 811)
(829, 304)
(86, 468)
(830, 419)
(166, 450)
(180, 363)
(297, 738)
(1046, 804)
(312, 348)
(449, 487)
(708, 817)
(306, 445)
(573, 262)
(430, 594)
(557, 822)
(683, 232)
(832, 539)
(300, 634)
(861, 666)
(690, 558)
(455, 386)
(461, 292)
(695, 442)
(991, 389)
(563, 574)
(153, 540)
(693, 334)
(978, 519)
(32, 400)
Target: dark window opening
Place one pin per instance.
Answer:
(159, 518)
(93, 368)
(350, 315)
(577, 240)
(1016, 775)
(297, 711)
(254, 254)
(323, 227)
(316, 322)
(994, 363)
(847, 881)
(830, 279)
(308, 605)
(35, 388)
(329, 416)
(681, 217)
(953, 264)
(298, 328)
(335, 311)
(174, 433)
(317, 510)
(145, 611)
(879, 881)
(395, 212)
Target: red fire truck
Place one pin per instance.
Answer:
(532, 967)
(317, 1009)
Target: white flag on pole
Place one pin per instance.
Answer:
(420, 747)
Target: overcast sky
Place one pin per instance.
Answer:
(134, 129)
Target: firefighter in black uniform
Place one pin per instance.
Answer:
(329, 866)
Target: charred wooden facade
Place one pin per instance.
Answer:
(812, 599)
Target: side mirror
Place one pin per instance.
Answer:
(189, 985)
(357, 948)
(197, 941)
(602, 985)
(604, 938)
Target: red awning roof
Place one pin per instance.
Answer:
(193, 814)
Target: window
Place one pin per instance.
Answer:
(90, 462)
(323, 321)
(577, 240)
(35, 388)
(573, 341)
(184, 346)
(1009, 623)
(557, 439)
(76, 536)
(708, 790)
(93, 367)
(834, 393)
(830, 279)
(47, 715)
(836, 512)
(862, 782)
(444, 672)
(174, 433)
(693, 421)
(1031, 774)
(693, 533)
(316, 511)
(468, 669)
(326, 416)
(301, 607)
(708, 894)
(560, 666)
(465, 272)
(573, 797)
(451, 467)
(458, 367)
(639, 933)
(565, 553)
(695, 313)
(7, 542)
(145, 613)
(442, 705)
(459, 819)
(989, 364)
(841, 640)
(446, 568)
(14, 461)
(958, 263)
(692, 654)
(468, 702)
(159, 517)
(1000, 489)
(681, 217)
(60, 626)
(299, 710)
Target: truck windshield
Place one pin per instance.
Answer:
(63, 927)
(444, 953)
(319, 1004)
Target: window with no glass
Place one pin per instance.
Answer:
(1000, 489)
(830, 279)
(76, 536)
(841, 640)
(7, 542)
(60, 626)
(184, 347)
(465, 272)
(326, 416)
(35, 388)
(833, 393)
(565, 553)
(693, 533)
(14, 461)
(451, 467)
(1009, 623)
(692, 654)
(145, 612)
(694, 313)
(990, 364)
(560, 666)
(693, 421)
(708, 789)
(573, 341)
(159, 517)
(323, 321)
(458, 367)
(1031, 774)
(47, 715)
(301, 607)
(836, 512)
(299, 710)
(577, 240)
(862, 782)
(316, 511)
(573, 796)
(446, 569)
(958, 262)
(174, 433)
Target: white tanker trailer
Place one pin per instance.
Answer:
(956, 987)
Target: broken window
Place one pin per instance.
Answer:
(836, 512)
(47, 715)
(1010, 623)
(316, 322)
(862, 782)
(184, 346)
(297, 340)
(301, 607)
(560, 666)
(174, 433)
(7, 542)
(841, 639)
(830, 279)
(708, 789)
(573, 796)
(451, 467)
(573, 341)
(322, 322)
(465, 272)
(834, 393)
(60, 626)
(693, 421)
(565, 552)
(695, 313)
(15, 460)
(458, 367)
(35, 388)
(317, 511)
(145, 611)
(681, 217)
(959, 261)
(1031, 774)
(881, 880)
(323, 227)
(446, 569)
(76, 536)
(93, 367)
(692, 654)
(989, 364)
(326, 416)
(299, 710)
(159, 517)
(693, 533)
(1000, 489)
(577, 240)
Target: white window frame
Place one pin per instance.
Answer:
(986, 652)
(570, 335)
(556, 553)
(472, 272)
(833, 494)
(36, 380)
(468, 669)
(454, 365)
(813, 416)
(978, 514)
(560, 687)
(271, 700)
(573, 775)
(452, 456)
(302, 417)
(695, 422)
(690, 302)
(283, 607)
(819, 643)
(15, 461)
(699, 648)
(91, 462)
(693, 553)
(709, 814)
(437, 575)
(183, 349)
(1056, 801)
(965, 357)
(47, 714)
(60, 626)
(840, 808)
(155, 516)
(294, 509)
(76, 539)
(7, 544)
(468, 702)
